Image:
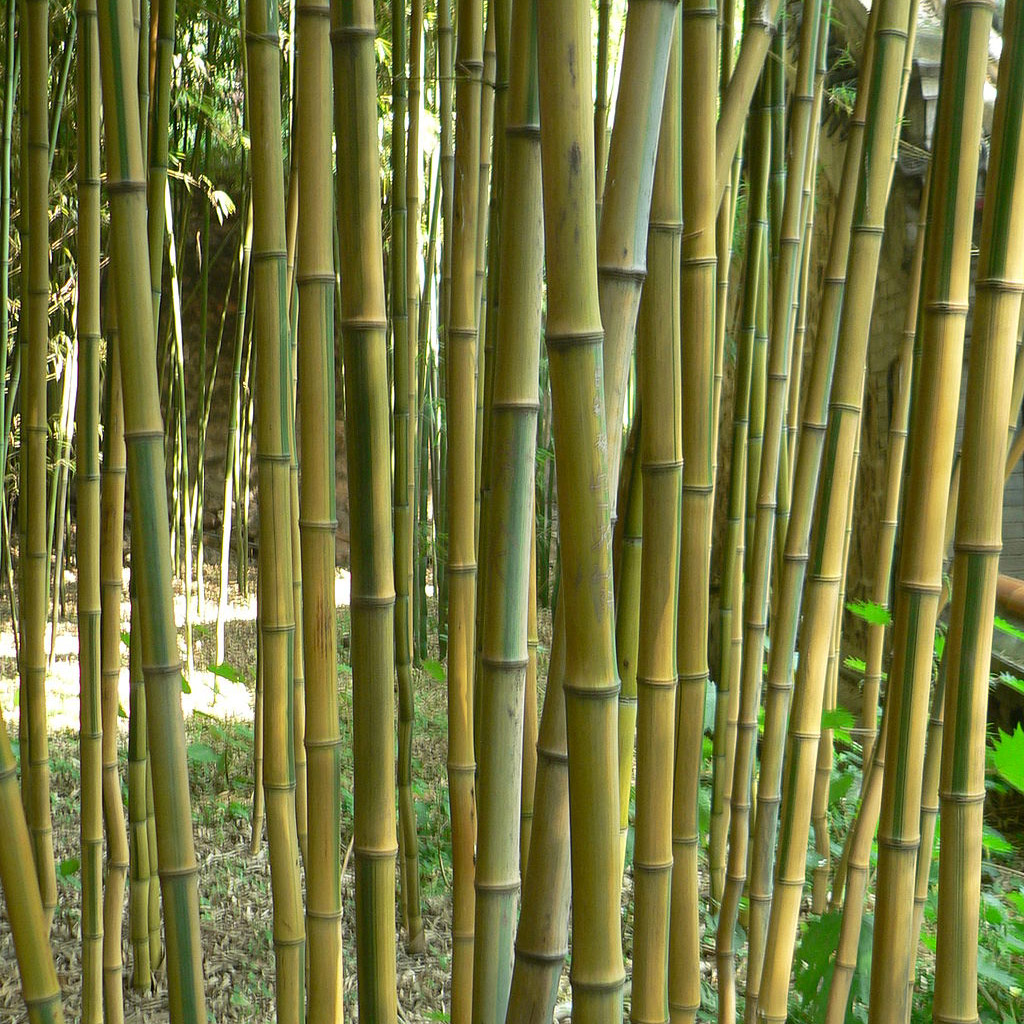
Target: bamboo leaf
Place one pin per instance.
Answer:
(1008, 628)
(870, 612)
(1008, 758)
(435, 669)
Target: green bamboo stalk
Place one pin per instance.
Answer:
(505, 651)
(660, 374)
(978, 540)
(112, 488)
(461, 490)
(698, 288)
(732, 593)
(34, 337)
(530, 724)
(25, 912)
(944, 294)
(144, 431)
(274, 438)
(574, 340)
(364, 330)
(87, 536)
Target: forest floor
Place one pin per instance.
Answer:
(236, 908)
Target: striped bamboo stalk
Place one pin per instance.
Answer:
(461, 493)
(660, 378)
(364, 330)
(978, 541)
(574, 339)
(697, 289)
(112, 487)
(505, 650)
(87, 535)
(944, 294)
(34, 340)
(274, 436)
(146, 462)
(317, 511)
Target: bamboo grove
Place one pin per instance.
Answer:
(582, 302)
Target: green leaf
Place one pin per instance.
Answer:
(838, 719)
(1008, 757)
(839, 788)
(857, 664)
(869, 611)
(68, 867)
(1010, 680)
(185, 687)
(126, 638)
(435, 669)
(994, 842)
(1008, 628)
(226, 671)
(202, 753)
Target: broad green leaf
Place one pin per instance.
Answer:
(202, 753)
(870, 611)
(1008, 757)
(68, 867)
(226, 671)
(435, 669)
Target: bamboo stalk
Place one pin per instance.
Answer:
(660, 373)
(944, 294)
(529, 776)
(274, 434)
(505, 623)
(317, 510)
(34, 339)
(87, 536)
(574, 339)
(978, 541)
(363, 320)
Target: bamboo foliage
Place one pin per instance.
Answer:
(317, 510)
(944, 293)
(574, 338)
(505, 652)
(364, 333)
(978, 540)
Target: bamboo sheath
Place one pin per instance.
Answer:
(274, 438)
(25, 912)
(34, 338)
(111, 550)
(505, 624)
(944, 294)
(978, 541)
(364, 324)
(826, 561)
(87, 483)
(574, 339)
(732, 618)
(697, 295)
(461, 498)
(660, 378)
(317, 509)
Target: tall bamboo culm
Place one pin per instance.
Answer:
(661, 442)
(697, 283)
(368, 442)
(318, 524)
(146, 467)
(87, 480)
(939, 356)
(574, 339)
(274, 436)
(461, 498)
(112, 490)
(505, 651)
(39, 986)
(978, 541)
(34, 340)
